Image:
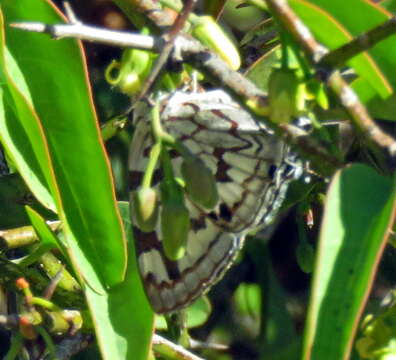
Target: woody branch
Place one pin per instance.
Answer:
(358, 114)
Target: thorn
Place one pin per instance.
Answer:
(71, 16)
(49, 291)
(29, 26)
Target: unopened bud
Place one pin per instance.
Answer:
(144, 205)
(200, 183)
(130, 84)
(175, 220)
(175, 226)
(133, 69)
(211, 34)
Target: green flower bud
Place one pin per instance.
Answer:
(144, 205)
(129, 74)
(130, 84)
(282, 95)
(175, 225)
(136, 60)
(199, 182)
(175, 220)
(211, 34)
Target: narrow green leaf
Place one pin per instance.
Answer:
(358, 212)
(47, 237)
(48, 240)
(56, 76)
(122, 317)
(260, 71)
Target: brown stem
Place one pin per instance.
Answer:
(365, 41)
(169, 38)
(22, 236)
(357, 112)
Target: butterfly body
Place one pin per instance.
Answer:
(251, 169)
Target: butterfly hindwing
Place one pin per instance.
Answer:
(248, 164)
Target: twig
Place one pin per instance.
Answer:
(193, 52)
(22, 236)
(50, 289)
(70, 15)
(365, 41)
(167, 348)
(169, 39)
(92, 33)
(357, 112)
(150, 8)
(196, 344)
(190, 50)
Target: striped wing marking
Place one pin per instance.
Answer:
(248, 164)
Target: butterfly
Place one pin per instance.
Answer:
(252, 170)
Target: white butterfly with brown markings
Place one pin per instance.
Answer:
(252, 173)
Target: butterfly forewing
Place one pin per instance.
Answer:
(249, 166)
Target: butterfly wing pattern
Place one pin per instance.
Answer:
(252, 170)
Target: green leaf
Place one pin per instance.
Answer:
(13, 196)
(56, 77)
(20, 132)
(122, 316)
(196, 314)
(358, 213)
(325, 17)
(48, 240)
(44, 232)
(260, 71)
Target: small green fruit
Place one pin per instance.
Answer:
(129, 74)
(144, 205)
(208, 31)
(200, 183)
(136, 60)
(130, 84)
(175, 219)
(175, 225)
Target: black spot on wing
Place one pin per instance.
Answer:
(198, 223)
(171, 268)
(272, 171)
(225, 212)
